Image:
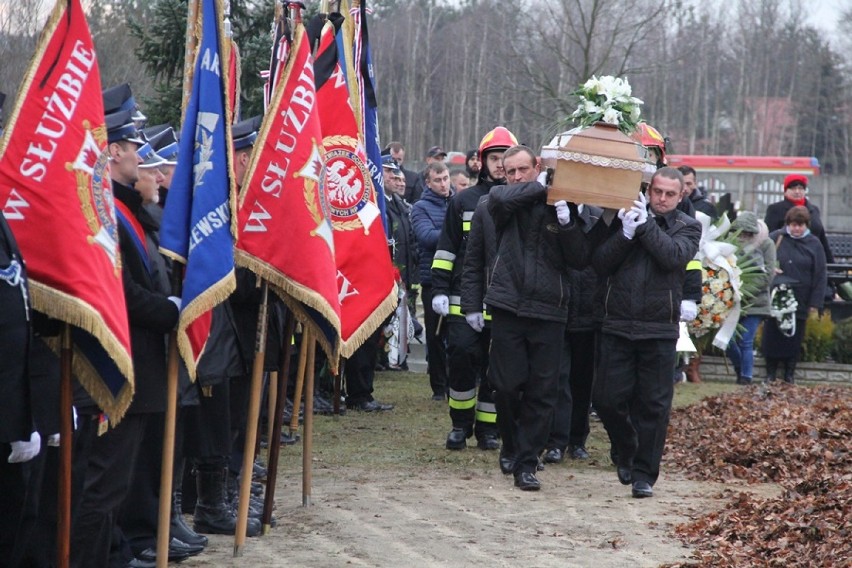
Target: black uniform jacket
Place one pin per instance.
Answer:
(16, 421)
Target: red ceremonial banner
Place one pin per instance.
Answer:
(284, 233)
(56, 194)
(365, 282)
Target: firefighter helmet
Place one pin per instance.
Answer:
(498, 139)
(651, 138)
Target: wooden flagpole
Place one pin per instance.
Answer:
(168, 461)
(274, 444)
(309, 344)
(251, 424)
(300, 381)
(271, 404)
(66, 438)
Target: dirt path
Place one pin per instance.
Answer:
(582, 517)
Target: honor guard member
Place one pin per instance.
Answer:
(467, 351)
(163, 140)
(106, 454)
(120, 98)
(222, 378)
(19, 441)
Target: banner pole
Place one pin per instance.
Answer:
(251, 424)
(307, 440)
(274, 444)
(66, 439)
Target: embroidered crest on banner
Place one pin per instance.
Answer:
(348, 185)
(94, 190)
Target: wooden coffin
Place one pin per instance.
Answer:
(598, 165)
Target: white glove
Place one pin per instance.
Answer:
(640, 206)
(542, 178)
(475, 320)
(176, 301)
(53, 440)
(441, 305)
(563, 213)
(628, 222)
(688, 310)
(25, 451)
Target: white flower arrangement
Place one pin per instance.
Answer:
(608, 99)
(717, 301)
(782, 307)
(727, 283)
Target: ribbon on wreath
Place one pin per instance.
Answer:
(716, 254)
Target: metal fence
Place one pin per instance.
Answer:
(754, 192)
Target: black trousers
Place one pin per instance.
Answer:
(361, 370)
(13, 497)
(436, 345)
(560, 430)
(632, 394)
(103, 468)
(524, 370)
(208, 426)
(582, 377)
(471, 408)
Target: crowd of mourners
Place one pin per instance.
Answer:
(521, 294)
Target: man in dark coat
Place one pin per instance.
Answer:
(696, 194)
(427, 218)
(643, 265)
(528, 295)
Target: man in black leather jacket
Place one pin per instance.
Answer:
(643, 264)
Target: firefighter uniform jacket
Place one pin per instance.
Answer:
(448, 263)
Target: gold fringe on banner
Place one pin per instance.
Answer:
(67, 308)
(363, 333)
(296, 295)
(203, 303)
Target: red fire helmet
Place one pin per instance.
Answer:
(651, 138)
(499, 138)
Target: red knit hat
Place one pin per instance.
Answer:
(795, 179)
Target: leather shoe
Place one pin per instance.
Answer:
(625, 476)
(578, 453)
(527, 481)
(488, 442)
(642, 489)
(553, 455)
(370, 406)
(457, 439)
(139, 563)
(178, 550)
(507, 464)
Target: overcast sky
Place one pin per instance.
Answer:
(824, 13)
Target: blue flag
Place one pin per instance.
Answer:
(369, 105)
(198, 228)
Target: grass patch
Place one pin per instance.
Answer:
(412, 435)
